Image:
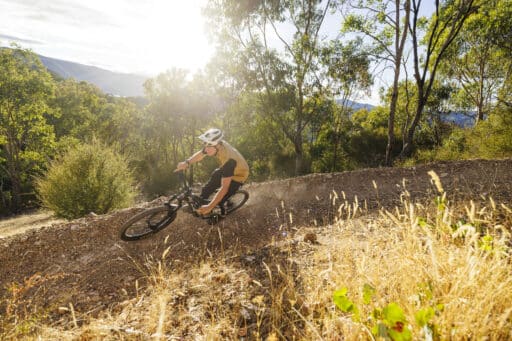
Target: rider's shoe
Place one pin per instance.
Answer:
(203, 201)
(198, 201)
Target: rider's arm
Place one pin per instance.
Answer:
(223, 190)
(198, 156)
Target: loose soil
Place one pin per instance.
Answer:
(84, 262)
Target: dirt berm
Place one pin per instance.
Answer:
(84, 262)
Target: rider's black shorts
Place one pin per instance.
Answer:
(228, 169)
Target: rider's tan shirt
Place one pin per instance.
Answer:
(225, 152)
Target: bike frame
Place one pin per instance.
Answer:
(186, 196)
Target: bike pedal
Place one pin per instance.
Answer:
(214, 219)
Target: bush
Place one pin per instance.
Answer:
(87, 178)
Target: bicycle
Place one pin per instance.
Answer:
(153, 220)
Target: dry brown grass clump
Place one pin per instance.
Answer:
(436, 270)
(447, 272)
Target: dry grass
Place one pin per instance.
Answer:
(446, 266)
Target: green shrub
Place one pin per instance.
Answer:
(87, 178)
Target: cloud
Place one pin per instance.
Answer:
(121, 35)
(19, 40)
(67, 12)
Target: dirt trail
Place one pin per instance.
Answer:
(12, 226)
(84, 262)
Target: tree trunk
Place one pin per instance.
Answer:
(391, 123)
(480, 114)
(407, 147)
(335, 153)
(11, 153)
(299, 155)
(399, 48)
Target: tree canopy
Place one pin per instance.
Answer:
(285, 94)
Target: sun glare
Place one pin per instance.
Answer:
(134, 36)
(172, 33)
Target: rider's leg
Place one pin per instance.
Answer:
(212, 185)
(233, 187)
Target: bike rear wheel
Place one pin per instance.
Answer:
(236, 201)
(148, 222)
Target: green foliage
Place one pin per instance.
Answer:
(390, 321)
(489, 139)
(25, 137)
(158, 178)
(79, 109)
(289, 84)
(83, 112)
(486, 243)
(88, 178)
(339, 298)
(285, 110)
(368, 293)
(476, 61)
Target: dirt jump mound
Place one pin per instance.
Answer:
(85, 263)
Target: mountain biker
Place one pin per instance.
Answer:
(231, 174)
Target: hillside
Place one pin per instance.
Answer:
(83, 262)
(114, 83)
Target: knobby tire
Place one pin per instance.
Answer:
(147, 223)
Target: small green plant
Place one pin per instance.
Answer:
(430, 309)
(390, 322)
(486, 243)
(88, 178)
(344, 304)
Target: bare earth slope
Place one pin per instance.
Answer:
(84, 262)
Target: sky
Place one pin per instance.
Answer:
(131, 36)
(143, 37)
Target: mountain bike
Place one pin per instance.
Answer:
(153, 220)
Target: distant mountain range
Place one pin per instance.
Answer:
(114, 83)
(357, 106)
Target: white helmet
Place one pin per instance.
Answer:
(212, 136)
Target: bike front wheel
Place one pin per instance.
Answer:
(148, 222)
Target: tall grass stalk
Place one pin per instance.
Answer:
(445, 265)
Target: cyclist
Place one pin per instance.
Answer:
(231, 174)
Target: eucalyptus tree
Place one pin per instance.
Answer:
(273, 49)
(498, 30)
(348, 76)
(430, 39)
(477, 61)
(384, 24)
(26, 139)
(396, 36)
